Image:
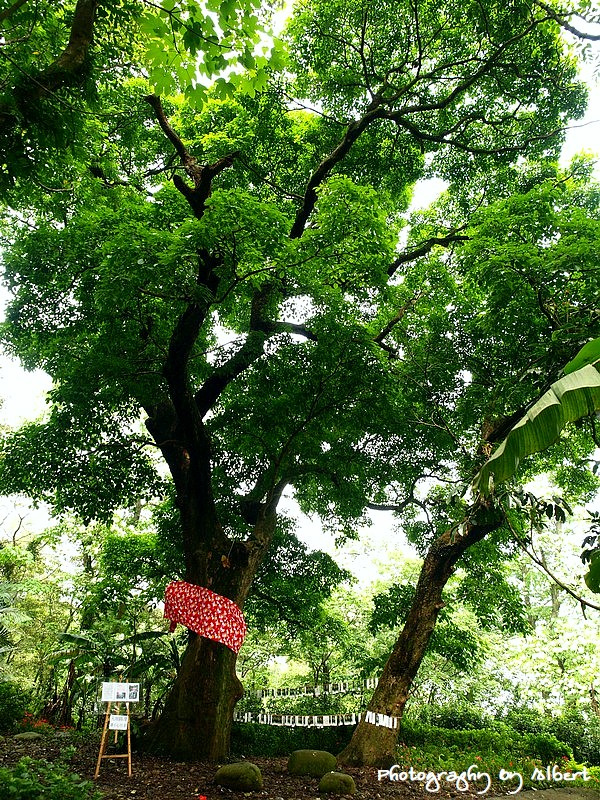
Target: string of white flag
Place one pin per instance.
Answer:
(342, 687)
(317, 720)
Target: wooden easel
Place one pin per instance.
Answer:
(103, 742)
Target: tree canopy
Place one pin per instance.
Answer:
(232, 299)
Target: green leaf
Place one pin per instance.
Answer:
(573, 397)
(592, 577)
(589, 353)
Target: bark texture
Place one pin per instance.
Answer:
(196, 721)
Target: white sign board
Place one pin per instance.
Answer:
(120, 692)
(117, 722)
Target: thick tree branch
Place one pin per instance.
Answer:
(427, 246)
(353, 131)
(281, 326)
(66, 70)
(8, 12)
(191, 408)
(71, 61)
(442, 138)
(397, 318)
(382, 108)
(181, 345)
(186, 159)
(202, 175)
(251, 350)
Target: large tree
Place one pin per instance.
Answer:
(233, 275)
(531, 280)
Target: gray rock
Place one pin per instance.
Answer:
(27, 736)
(311, 762)
(337, 783)
(241, 777)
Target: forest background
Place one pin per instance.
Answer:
(502, 298)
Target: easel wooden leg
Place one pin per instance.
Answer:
(128, 742)
(102, 741)
(105, 730)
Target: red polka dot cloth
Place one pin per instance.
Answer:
(206, 613)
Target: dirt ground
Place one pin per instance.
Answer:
(160, 779)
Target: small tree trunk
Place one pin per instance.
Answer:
(375, 745)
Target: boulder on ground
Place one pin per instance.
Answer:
(311, 762)
(241, 777)
(27, 736)
(337, 783)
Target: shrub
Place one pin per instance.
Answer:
(33, 779)
(436, 737)
(581, 733)
(546, 747)
(252, 739)
(455, 716)
(527, 720)
(503, 741)
(13, 704)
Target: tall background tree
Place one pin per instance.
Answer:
(232, 276)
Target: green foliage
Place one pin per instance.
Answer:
(547, 747)
(541, 746)
(589, 354)
(453, 716)
(179, 45)
(241, 273)
(292, 583)
(249, 739)
(424, 758)
(38, 779)
(331, 37)
(514, 733)
(581, 732)
(591, 552)
(14, 701)
(230, 39)
(94, 482)
(121, 247)
(526, 720)
(574, 396)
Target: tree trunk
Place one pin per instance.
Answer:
(196, 721)
(375, 745)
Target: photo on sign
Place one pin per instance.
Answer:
(120, 692)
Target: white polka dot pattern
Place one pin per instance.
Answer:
(206, 613)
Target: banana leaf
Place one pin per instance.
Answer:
(572, 397)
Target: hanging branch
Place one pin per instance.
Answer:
(590, 37)
(543, 567)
